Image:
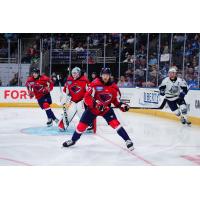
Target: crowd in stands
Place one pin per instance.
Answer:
(134, 53)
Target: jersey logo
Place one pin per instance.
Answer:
(99, 88)
(37, 87)
(76, 89)
(69, 82)
(105, 97)
(31, 83)
(174, 89)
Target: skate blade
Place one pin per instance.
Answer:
(50, 125)
(131, 148)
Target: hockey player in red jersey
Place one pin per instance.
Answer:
(99, 97)
(40, 86)
(74, 91)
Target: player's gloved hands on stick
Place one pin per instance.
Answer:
(182, 95)
(99, 106)
(124, 107)
(46, 90)
(31, 94)
(65, 99)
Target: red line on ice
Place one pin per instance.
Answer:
(15, 161)
(194, 159)
(130, 152)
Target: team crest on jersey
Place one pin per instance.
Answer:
(105, 97)
(69, 82)
(38, 87)
(174, 89)
(76, 89)
(31, 83)
(99, 88)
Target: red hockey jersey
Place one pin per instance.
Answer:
(105, 93)
(76, 88)
(39, 87)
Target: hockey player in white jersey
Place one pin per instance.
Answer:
(174, 89)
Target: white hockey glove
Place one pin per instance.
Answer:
(65, 99)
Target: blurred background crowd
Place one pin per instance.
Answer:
(136, 60)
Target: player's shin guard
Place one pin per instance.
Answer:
(184, 117)
(50, 114)
(121, 132)
(48, 111)
(76, 136)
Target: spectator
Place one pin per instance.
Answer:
(192, 81)
(123, 82)
(139, 77)
(94, 75)
(129, 59)
(166, 48)
(153, 60)
(14, 80)
(129, 81)
(112, 79)
(65, 46)
(85, 74)
(55, 79)
(91, 60)
(79, 48)
(130, 40)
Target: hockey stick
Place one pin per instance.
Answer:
(153, 108)
(157, 108)
(63, 106)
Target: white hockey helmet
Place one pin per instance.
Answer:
(172, 69)
(76, 73)
(76, 70)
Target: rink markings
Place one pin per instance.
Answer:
(15, 161)
(126, 150)
(194, 159)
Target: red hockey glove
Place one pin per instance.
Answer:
(46, 90)
(99, 105)
(124, 107)
(31, 94)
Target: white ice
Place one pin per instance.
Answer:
(157, 142)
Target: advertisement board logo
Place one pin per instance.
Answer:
(197, 104)
(150, 97)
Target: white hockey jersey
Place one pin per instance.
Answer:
(173, 88)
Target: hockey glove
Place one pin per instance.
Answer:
(124, 107)
(31, 94)
(162, 92)
(182, 95)
(65, 99)
(46, 90)
(99, 106)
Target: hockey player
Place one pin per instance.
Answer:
(99, 97)
(40, 86)
(74, 91)
(174, 89)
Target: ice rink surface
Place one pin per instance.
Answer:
(25, 140)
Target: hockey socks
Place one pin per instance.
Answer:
(50, 114)
(76, 136)
(121, 132)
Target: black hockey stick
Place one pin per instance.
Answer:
(157, 108)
